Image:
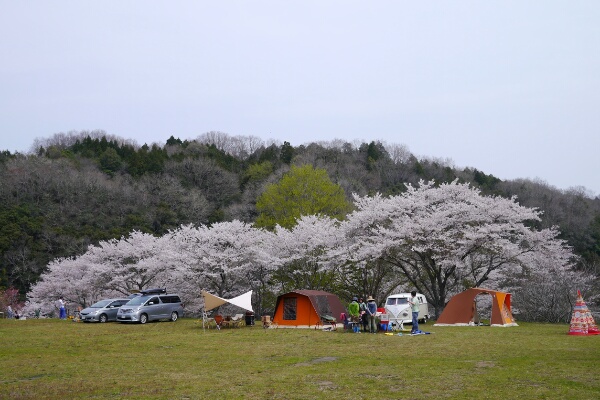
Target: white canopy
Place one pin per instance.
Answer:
(243, 301)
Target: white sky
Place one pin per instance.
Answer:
(511, 88)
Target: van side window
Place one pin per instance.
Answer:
(153, 300)
(170, 299)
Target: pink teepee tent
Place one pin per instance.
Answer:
(582, 321)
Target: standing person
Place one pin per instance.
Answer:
(9, 312)
(414, 306)
(371, 311)
(354, 311)
(62, 311)
(364, 318)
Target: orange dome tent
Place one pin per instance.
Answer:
(460, 309)
(306, 308)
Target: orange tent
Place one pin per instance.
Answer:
(306, 308)
(461, 310)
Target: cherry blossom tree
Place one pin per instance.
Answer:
(73, 278)
(227, 258)
(130, 264)
(448, 237)
(114, 268)
(545, 291)
(301, 254)
(438, 240)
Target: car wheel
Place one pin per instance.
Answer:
(103, 318)
(143, 319)
(174, 316)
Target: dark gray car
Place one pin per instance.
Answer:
(102, 311)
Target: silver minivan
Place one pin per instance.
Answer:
(151, 307)
(102, 311)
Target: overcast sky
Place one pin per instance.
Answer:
(511, 88)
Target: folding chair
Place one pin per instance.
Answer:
(237, 320)
(329, 323)
(397, 324)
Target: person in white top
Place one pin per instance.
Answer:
(414, 306)
(62, 312)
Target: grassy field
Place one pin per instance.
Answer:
(52, 359)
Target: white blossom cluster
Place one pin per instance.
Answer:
(437, 239)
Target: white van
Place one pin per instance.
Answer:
(398, 309)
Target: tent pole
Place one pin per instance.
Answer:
(204, 316)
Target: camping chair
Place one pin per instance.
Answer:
(219, 321)
(237, 320)
(266, 321)
(397, 324)
(226, 322)
(327, 322)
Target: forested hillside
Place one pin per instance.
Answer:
(80, 188)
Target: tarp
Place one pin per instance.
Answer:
(461, 310)
(243, 301)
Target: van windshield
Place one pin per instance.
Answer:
(392, 301)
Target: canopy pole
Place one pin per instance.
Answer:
(204, 318)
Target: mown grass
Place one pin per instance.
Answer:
(52, 359)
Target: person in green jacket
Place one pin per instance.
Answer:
(354, 312)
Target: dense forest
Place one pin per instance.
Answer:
(79, 188)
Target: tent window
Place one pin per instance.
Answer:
(322, 305)
(289, 308)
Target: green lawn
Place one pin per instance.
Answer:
(52, 359)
